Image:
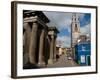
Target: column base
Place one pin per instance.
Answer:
(50, 61)
(55, 60)
(41, 64)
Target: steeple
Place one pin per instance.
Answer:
(75, 28)
(75, 17)
(75, 23)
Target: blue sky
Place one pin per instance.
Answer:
(62, 20)
(85, 20)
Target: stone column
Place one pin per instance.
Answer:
(55, 49)
(51, 50)
(33, 43)
(41, 48)
(26, 42)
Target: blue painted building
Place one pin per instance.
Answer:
(83, 53)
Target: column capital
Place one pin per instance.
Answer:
(52, 36)
(30, 19)
(35, 22)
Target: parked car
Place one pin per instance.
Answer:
(69, 58)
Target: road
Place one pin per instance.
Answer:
(63, 62)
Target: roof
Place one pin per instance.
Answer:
(40, 14)
(86, 42)
(53, 28)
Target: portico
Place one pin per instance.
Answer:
(39, 40)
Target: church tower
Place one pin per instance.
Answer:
(75, 29)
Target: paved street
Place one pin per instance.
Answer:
(63, 62)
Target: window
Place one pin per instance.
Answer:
(82, 58)
(76, 28)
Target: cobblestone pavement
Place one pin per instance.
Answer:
(63, 62)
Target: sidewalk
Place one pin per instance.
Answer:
(63, 62)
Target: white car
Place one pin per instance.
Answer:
(69, 58)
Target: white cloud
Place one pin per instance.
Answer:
(63, 41)
(85, 29)
(61, 21)
(81, 16)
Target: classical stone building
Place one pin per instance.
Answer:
(39, 40)
(82, 38)
(62, 51)
(52, 33)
